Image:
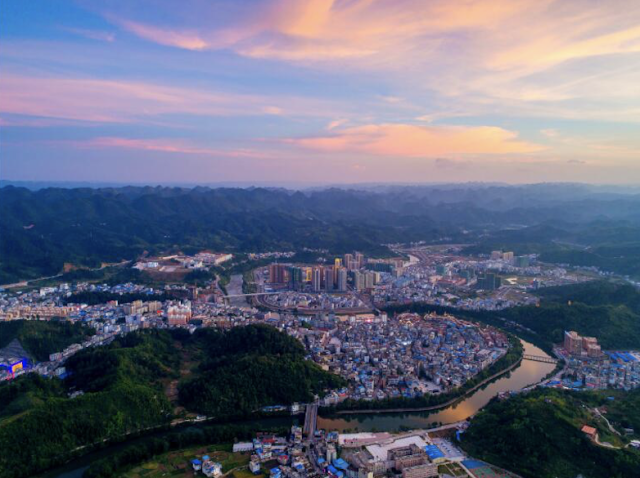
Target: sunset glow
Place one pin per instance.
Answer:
(321, 90)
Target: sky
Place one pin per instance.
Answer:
(338, 91)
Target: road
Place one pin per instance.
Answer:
(310, 419)
(39, 279)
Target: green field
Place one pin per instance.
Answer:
(452, 469)
(178, 463)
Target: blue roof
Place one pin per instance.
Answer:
(433, 452)
(332, 469)
(275, 471)
(205, 458)
(196, 462)
(471, 464)
(321, 461)
(341, 464)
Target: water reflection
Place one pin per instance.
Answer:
(526, 374)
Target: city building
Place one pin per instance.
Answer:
(342, 279)
(316, 279)
(427, 470)
(329, 279)
(178, 314)
(278, 273)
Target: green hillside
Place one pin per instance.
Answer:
(41, 338)
(250, 367)
(605, 310)
(538, 435)
(127, 387)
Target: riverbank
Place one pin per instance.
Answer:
(516, 378)
(440, 406)
(511, 358)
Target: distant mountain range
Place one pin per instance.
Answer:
(41, 230)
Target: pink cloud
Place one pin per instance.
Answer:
(112, 101)
(326, 29)
(172, 146)
(180, 39)
(437, 45)
(405, 140)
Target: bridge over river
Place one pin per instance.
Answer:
(539, 358)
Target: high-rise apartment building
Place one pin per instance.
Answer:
(369, 280)
(316, 279)
(342, 279)
(348, 261)
(358, 280)
(295, 278)
(573, 342)
(329, 281)
(277, 274)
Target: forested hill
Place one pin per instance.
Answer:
(605, 310)
(42, 230)
(537, 435)
(42, 338)
(128, 387)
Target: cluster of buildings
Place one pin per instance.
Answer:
(279, 456)
(443, 276)
(409, 455)
(360, 455)
(313, 302)
(438, 275)
(176, 262)
(207, 466)
(577, 346)
(409, 356)
(346, 272)
(254, 256)
(588, 367)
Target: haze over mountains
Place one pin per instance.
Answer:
(44, 229)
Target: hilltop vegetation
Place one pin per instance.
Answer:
(538, 436)
(125, 387)
(626, 412)
(608, 311)
(616, 327)
(250, 367)
(42, 338)
(594, 293)
(123, 394)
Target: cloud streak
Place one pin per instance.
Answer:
(114, 101)
(163, 145)
(410, 141)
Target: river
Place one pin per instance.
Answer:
(75, 468)
(527, 373)
(235, 288)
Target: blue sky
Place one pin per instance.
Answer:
(320, 91)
